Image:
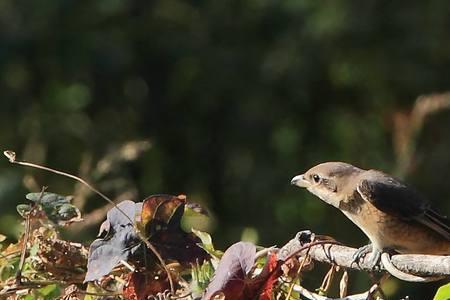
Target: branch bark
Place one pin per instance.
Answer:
(416, 264)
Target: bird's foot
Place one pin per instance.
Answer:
(373, 260)
(361, 253)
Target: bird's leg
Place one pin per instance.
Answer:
(374, 259)
(361, 253)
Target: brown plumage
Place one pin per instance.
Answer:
(393, 215)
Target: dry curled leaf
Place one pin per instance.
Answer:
(343, 285)
(162, 211)
(11, 155)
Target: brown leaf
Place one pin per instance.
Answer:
(162, 210)
(343, 285)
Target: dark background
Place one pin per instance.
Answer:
(234, 98)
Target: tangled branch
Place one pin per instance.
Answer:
(423, 266)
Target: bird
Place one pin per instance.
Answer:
(394, 216)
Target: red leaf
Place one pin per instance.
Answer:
(275, 272)
(140, 286)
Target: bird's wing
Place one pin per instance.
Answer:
(392, 197)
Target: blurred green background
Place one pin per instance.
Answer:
(224, 101)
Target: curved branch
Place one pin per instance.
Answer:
(416, 264)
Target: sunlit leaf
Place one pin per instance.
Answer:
(201, 275)
(171, 211)
(207, 244)
(443, 293)
(205, 238)
(150, 205)
(94, 289)
(50, 291)
(159, 211)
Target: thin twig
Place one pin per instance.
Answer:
(328, 280)
(291, 288)
(11, 155)
(26, 236)
(153, 249)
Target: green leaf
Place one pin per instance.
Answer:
(207, 244)
(201, 276)
(443, 293)
(49, 292)
(92, 288)
(205, 238)
(57, 208)
(9, 269)
(47, 198)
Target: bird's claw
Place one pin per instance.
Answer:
(361, 253)
(374, 260)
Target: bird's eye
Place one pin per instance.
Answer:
(316, 178)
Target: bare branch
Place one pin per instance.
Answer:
(408, 127)
(433, 266)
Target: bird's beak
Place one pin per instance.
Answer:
(300, 181)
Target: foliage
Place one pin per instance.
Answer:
(56, 207)
(443, 293)
(231, 273)
(144, 237)
(232, 99)
(121, 264)
(48, 261)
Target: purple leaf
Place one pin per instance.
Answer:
(232, 270)
(120, 242)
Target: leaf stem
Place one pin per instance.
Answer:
(11, 155)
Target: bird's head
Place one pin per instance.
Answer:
(330, 181)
